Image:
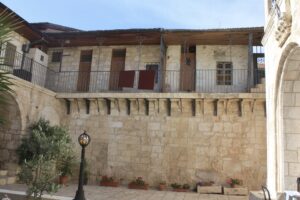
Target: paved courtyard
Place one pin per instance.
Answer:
(122, 193)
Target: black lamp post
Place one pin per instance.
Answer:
(84, 140)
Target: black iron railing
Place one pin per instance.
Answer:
(24, 67)
(203, 81)
(200, 80)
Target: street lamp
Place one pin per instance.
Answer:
(84, 140)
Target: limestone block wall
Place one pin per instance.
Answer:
(281, 43)
(28, 104)
(173, 139)
(208, 56)
(172, 77)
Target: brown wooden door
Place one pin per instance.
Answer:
(187, 71)
(117, 65)
(10, 54)
(85, 64)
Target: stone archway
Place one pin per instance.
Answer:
(10, 133)
(288, 120)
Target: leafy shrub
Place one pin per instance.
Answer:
(43, 155)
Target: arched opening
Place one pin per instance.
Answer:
(288, 122)
(10, 134)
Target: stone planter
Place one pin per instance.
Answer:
(109, 183)
(242, 191)
(209, 189)
(138, 187)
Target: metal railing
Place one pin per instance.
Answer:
(202, 81)
(24, 67)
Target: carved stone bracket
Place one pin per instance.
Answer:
(284, 26)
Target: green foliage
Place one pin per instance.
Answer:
(138, 181)
(186, 186)
(39, 175)
(52, 142)
(44, 154)
(65, 164)
(176, 186)
(8, 24)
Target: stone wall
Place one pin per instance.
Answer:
(281, 42)
(26, 105)
(175, 137)
(164, 137)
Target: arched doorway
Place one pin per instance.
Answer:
(288, 121)
(10, 135)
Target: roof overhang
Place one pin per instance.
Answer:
(238, 36)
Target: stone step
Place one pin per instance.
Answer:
(257, 90)
(3, 172)
(260, 86)
(8, 180)
(11, 180)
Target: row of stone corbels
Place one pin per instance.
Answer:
(163, 106)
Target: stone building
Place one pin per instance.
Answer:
(281, 41)
(173, 105)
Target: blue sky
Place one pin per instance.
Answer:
(122, 14)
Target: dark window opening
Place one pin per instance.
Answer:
(224, 73)
(56, 56)
(154, 67)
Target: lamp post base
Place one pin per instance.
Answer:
(79, 195)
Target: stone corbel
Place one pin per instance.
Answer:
(103, 107)
(114, 106)
(209, 103)
(152, 106)
(93, 106)
(142, 110)
(134, 107)
(199, 107)
(252, 105)
(238, 103)
(175, 109)
(284, 27)
(162, 106)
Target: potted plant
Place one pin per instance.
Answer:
(180, 188)
(138, 183)
(162, 186)
(65, 168)
(233, 182)
(108, 182)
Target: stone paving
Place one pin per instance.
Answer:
(122, 193)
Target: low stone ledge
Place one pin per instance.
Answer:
(209, 189)
(242, 191)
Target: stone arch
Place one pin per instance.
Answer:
(10, 133)
(287, 118)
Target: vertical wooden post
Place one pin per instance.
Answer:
(250, 61)
(161, 73)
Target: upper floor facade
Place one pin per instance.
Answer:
(137, 60)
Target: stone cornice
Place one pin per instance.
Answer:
(161, 95)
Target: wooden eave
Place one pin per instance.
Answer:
(152, 37)
(105, 38)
